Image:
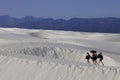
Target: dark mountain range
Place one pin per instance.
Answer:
(106, 25)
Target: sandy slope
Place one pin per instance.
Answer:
(56, 55)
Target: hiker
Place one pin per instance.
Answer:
(88, 57)
(94, 58)
(100, 56)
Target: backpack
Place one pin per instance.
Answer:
(88, 56)
(98, 56)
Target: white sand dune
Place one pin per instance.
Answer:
(57, 55)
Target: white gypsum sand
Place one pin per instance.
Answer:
(28, 54)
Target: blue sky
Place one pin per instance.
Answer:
(60, 8)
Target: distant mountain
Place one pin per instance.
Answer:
(107, 25)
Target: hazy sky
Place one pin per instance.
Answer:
(60, 8)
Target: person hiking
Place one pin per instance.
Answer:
(94, 58)
(88, 57)
(100, 56)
